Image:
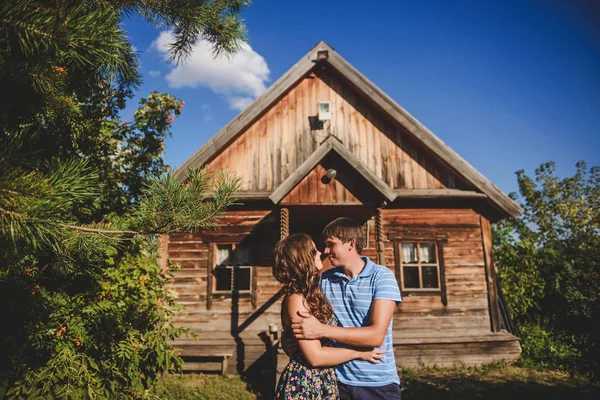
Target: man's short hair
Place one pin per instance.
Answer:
(345, 229)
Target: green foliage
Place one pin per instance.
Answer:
(549, 265)
(543, 347)
(90, 297)
(109, 339)
(83, 193)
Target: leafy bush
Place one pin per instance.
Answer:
(549, 265)
(542, 347)
(81, 337)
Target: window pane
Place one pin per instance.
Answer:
(242, 255)
(430, 277)
(223, 278)
(409, 253)
(242, 279)
(411, 277)
(224, 254)
(428, 253)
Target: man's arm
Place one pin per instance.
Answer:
(305, 326)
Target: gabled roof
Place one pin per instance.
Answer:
(328, 145)
(365, 87)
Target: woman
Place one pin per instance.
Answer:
(296, 265)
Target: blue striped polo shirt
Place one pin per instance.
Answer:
(351, 300)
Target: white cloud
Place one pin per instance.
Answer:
(207, 114)
(154, 74)
(239, 102)
(240, 78)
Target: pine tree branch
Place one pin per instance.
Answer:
(100, 231)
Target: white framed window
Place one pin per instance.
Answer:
(232, 271)
(419, 266)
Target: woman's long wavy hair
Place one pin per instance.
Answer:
(294, 267)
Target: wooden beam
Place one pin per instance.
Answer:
(490, 275)
(438, 194)
(440, 255)
(424, 135)
(163, 252)
(331, 144)
(369, 175)
(253, 194)
(300, 172)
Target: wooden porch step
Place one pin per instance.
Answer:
(438, 337)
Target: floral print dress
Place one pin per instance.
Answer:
(299, 381)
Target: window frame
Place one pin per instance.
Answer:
(211, 284)
(233, 269)
(438, 243)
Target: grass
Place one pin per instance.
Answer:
(493, 382)
(202, 387)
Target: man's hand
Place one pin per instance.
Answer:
(305, 326)
(289, 345)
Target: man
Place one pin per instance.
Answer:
(364, 296)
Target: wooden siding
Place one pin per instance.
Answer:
(470, 350)
(467, 309)
(272, 147)
(231, 324)
(426, 332)
(312, 189)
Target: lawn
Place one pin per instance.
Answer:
(495, 383)
(489, 382)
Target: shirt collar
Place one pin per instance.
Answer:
(368, 270)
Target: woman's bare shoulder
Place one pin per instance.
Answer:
(295, 302)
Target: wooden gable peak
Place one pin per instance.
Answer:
(331, 144)
(323, 53)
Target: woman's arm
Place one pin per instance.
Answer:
(306, 326)
(319, 356)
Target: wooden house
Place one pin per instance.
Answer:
(322, 142)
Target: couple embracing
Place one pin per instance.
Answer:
(341, 320)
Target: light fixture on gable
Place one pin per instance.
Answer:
(324, 111)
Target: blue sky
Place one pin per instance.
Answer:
(508, 85)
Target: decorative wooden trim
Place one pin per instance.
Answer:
(284, 222)
(437, 194)
(380, 248)
(490, 274)
(330, 144)
(210, 277)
